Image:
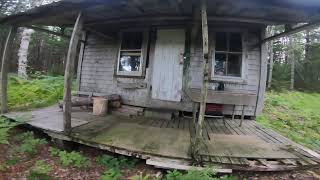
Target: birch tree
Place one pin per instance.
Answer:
(25, 41)
(23, 52)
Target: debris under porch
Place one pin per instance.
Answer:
(166, 143)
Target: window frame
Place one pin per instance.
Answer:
(226, 78)
(143, 54)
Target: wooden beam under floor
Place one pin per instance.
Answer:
(4, 69)
(68, 75)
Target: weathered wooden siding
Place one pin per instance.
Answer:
(98, 66)
(251, 69)
(97, 76)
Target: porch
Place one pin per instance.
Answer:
(166, 143)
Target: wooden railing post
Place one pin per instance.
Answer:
(68, 75)
(4, 69)
(198, 144)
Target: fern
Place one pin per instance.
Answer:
(111, 174)
(70, 159)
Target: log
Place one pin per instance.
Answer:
(78, 102)
(114, 101)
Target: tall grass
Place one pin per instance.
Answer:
(295, 115)
(40, 92)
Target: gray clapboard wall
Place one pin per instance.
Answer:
(98, 67)
(251, 71)
(97, 76)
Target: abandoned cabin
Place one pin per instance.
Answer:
(160, 73)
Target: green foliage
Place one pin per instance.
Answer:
(295, 115)
(25, 94)
(5, 126)
(29, 144)
(40, 171)
(144, 177)
(193, 174)
(111, 174)
(116, 163)
(12, 161)
(172, 175)
(70, 159)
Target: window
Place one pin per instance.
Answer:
(228, 54)
(130, 56)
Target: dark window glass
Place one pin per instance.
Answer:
(235, 42)
(228, 62)
(220, 66)
(129, 61)
(221, 41)
(234, 65)
(131, 40)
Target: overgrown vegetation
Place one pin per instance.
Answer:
(29, 144)
(39, 92)
(295, 115)
(73, 158)
(114, 165)
(40, 171)
(205, 174)
(5, 126)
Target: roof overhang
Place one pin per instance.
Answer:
(64, 13)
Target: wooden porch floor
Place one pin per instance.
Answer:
(249, 147)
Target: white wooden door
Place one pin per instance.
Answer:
(167, 65)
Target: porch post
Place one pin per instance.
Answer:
(205, 82)
(4, 69)
(68, 75)
(204, 90)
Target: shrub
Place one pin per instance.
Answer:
(5, 127)
(40, 171)
(144, 177)
(70, 159)
(29, 143)
(193, 174)
(117, 163)
(111, 174)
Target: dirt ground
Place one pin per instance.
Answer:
(18, 166)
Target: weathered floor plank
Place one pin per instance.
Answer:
(227, 143)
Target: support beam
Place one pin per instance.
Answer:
(47, 31)
(4, 69)
(68, 75)
(198, 144)
(309, 26)
(205, 82)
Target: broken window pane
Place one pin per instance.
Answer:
(220, 66)
(234, 65)
(235, 42)
(129, 61)
(221, 41)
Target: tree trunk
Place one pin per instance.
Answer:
(292, 62)
(307, 54)
(23, 53)
(270, 51)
